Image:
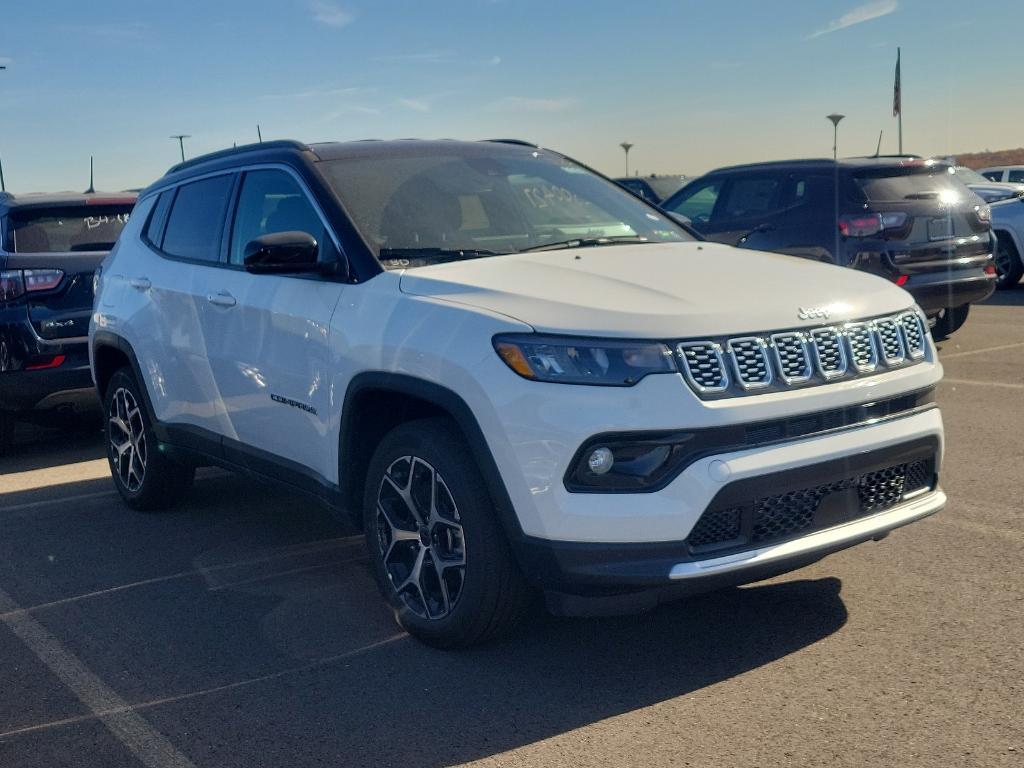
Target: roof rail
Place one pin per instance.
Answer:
(519, 142)
(231, 151)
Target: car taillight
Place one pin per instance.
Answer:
(902, 280)
(867, 225)
(45, 363)
(42, 279)
(15, 283)
(12, 285)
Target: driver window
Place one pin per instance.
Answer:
(698, 203)
(272, 201)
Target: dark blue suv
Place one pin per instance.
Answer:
(907, 219)
(50, 246)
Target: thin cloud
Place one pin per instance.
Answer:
(319, 93)
(330, 14)
(125, 30)
(530, 104)
(416, 105)
(858, 15)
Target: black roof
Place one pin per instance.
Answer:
(334, 150)
(50, 199)
(843, 163)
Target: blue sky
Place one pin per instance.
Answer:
(693, 84)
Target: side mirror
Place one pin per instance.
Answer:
(283, 253)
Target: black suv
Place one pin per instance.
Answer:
(50, 246)
(906, 219)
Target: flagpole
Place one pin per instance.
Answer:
(899, 79)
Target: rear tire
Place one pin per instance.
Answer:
(1009, 268)
(949, 321)
(436, 547)
(146, 478)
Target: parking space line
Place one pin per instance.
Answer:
(333, 544)
(32, 479)
(974, 383)
(981, 351)
(134, 709)
(151, 747)
(60, 500)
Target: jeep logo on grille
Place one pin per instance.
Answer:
(813, 313)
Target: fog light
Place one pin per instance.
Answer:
(600, 461)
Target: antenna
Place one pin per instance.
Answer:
(3, 187)
(878, 149)
(92, 187)
(259, 133)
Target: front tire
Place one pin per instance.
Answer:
(145, 477)
(437, 550)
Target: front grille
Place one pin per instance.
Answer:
(747, 364)
(801, 511)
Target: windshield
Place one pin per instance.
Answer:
(420, 207)
(969, 176)
(66, 229)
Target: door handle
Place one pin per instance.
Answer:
(222, 299)
(140, 283)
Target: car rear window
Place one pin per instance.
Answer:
(895, 184)
(66, 229)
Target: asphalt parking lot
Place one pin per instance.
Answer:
(244, 630)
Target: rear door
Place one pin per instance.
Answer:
(725, 209)
(803, 224)
(267, 336)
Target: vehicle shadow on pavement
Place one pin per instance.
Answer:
(36, 447)
(1011, 297)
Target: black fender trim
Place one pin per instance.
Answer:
(452, 404)
(109, 339)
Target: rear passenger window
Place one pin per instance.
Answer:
(752, 196)
(196, 221)
(993, 175)
(1015, 177)
(155, 226)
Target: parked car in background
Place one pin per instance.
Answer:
(1009, 173)
(50, 246)
(987, 190)
(1008, 227)
(516, 375)
(652, 188)
(906, 219)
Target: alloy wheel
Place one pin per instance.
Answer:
(127, 439)
(420, 536)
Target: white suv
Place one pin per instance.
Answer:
(519, 376)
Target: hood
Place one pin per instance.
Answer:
(663, 290)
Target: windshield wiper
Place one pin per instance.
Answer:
(586, 242)
(435, 254)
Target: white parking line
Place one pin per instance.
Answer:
(133, 709)
(150, 746)
(974, 383)
(32, 479)
(980, 351)
(324, 545)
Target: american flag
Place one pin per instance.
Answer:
(897, 96)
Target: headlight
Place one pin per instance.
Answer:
(571, 360)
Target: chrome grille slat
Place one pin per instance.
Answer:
(704, 365)
(913, 334)
(750, 362)
(863, 346)
(792, 357)
(802, 357)
(890, 341)
(829, 352)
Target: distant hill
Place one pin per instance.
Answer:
(986, 159)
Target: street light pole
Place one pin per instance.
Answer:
(835, 118)
(181, 143)
(626, 146)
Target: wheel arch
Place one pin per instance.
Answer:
(110, 353)
(376, 402)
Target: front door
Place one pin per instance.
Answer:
(268, 337)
